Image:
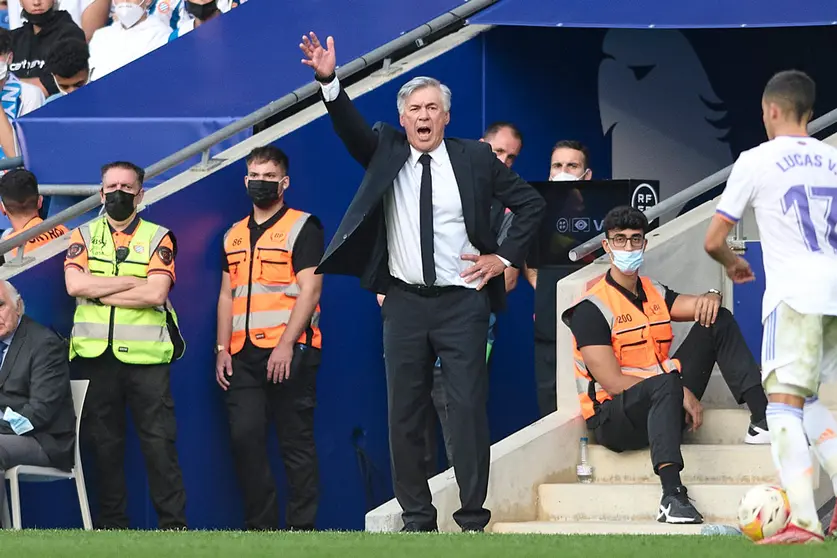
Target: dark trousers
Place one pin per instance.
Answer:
(145, 390)
(417, 328)
(545, 376)
(251, 403)
(651, 412)
(440, 405)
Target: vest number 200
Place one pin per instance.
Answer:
(623, 318)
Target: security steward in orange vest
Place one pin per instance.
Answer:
(268, 315)
(21, 203)
(633, 392)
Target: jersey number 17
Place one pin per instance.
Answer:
(798, 198)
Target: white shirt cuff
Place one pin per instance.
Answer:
(506, 262)
(331, 90)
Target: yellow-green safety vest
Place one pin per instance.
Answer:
(136, 335)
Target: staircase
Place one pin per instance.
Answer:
(625, 493)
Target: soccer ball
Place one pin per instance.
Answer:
(763, 511)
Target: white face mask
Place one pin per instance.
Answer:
(565, 177)
(128, 13)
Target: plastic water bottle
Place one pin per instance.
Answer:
(716, 530)
(584, 470)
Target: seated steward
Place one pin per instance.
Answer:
(633, 392)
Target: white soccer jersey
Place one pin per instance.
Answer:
(791, 183)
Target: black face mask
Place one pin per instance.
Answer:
(202, 11)
(264, 193)
(41, 19)
(119, 204)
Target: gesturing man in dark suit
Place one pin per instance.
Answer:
(38, 421)
(418, 230)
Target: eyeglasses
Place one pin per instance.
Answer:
(619, 240)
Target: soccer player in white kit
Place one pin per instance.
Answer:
(791, 183)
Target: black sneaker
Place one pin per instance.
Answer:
(676, 507)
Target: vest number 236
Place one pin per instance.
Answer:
(799, 198)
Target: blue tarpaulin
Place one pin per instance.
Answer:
(678, 14)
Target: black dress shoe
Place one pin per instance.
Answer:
(473, 528)
(416, 528)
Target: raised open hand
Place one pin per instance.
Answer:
(322, 60)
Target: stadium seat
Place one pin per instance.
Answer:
(29, 473)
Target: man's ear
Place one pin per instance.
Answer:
(40, 202)
(3, 209)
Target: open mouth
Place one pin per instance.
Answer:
(423, 132)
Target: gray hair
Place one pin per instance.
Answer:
(14, 296)
(420, 83)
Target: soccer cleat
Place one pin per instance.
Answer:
(677, 508)
(793, 534)
(757, 433)
(832, 529)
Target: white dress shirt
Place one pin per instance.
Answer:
(401, 208)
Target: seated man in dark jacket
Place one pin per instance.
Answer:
(38, 420)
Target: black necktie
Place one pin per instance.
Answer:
(3, 347)
(428, 266)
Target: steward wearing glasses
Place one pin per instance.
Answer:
(633, 393)
(120, 269)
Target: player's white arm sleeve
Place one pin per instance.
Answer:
(331, 90)
(739, 190)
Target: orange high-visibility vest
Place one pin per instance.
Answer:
(39, 240)
(264, 286)
(641, 339)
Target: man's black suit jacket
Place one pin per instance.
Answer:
(35, 382)
(359, 248)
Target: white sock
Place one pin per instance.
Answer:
(789, 447)
(821, 429)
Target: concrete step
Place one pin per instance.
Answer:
(721, 426)
(595, 528)
(717, 503)
(717, 394)
(704, 463)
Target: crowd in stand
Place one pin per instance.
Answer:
(53, 47)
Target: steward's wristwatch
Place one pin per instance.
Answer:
(715, 292)
(219, 348)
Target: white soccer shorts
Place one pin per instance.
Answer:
(798, 351)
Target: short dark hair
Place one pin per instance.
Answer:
(68, 57)
(19, 191)
(140, 172)
(497, 126)
(269, 154)
(625, 217)
(578, 146)
(794, 91)
(5, 41)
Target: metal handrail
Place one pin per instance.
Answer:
(688, 194)
(202, 146)
(10, 163)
